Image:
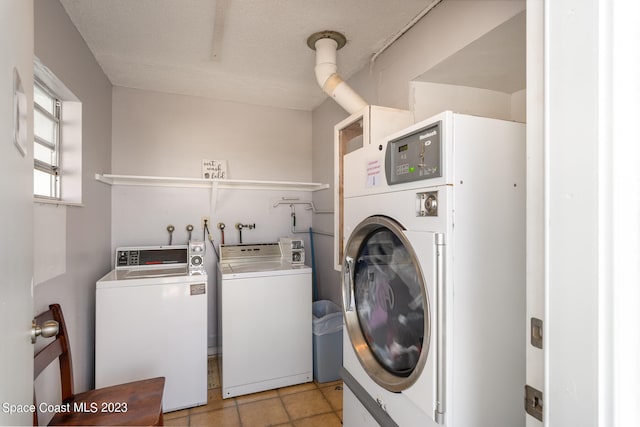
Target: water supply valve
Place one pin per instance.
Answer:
(240, 226)
(221, 227)
(170, 229)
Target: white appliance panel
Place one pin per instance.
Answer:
(149, 329)
(265, 320)
(404, 411)
(357, 415)
(261, 269)
(423, 392)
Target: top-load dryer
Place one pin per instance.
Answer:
(433, 277)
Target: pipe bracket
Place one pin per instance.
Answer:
(339, 38)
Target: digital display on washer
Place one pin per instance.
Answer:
(129, 258)
(415, 156)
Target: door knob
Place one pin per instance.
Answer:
(47, 330)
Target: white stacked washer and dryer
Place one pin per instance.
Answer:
(433, 277)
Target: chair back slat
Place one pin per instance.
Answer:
(45, 356)
(44, 316)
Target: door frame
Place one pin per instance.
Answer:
(583, 214)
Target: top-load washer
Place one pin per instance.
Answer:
(151, 321)
(264, 319)
(433, 276)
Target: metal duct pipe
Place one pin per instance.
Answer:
(326, 44)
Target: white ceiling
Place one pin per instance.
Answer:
(250, 51)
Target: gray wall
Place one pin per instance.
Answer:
(327, 279)
(88, 228)
(449, 27)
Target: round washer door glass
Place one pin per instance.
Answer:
(391, 305)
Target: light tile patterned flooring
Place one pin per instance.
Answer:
(304, 405)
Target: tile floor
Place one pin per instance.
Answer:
(304, 405)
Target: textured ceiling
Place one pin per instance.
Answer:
(250, 51)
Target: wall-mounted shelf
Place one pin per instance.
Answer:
(237, 184)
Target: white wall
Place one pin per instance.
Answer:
(156, 134)
(449, 27)
(428, 99)
(623, 151)
(88, 229)
(445, 30)
(169, 135)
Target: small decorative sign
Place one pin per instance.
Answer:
(214, 169)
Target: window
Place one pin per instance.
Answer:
(57, 140)
(46, 144)
(57, 169)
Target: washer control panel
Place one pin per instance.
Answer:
(150, 256)
(415, 156)
(292, 250)
(196, 256)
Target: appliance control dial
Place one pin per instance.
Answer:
(427, 204)
(431, 204)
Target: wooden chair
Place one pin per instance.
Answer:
(137, 403)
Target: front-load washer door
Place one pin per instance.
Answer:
(386, 303)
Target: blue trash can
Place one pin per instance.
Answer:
(327, 341)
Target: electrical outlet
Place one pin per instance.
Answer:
(205, 221)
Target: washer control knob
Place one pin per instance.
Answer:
(427, 204)
(431, 205)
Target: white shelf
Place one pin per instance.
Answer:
(237, 184)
